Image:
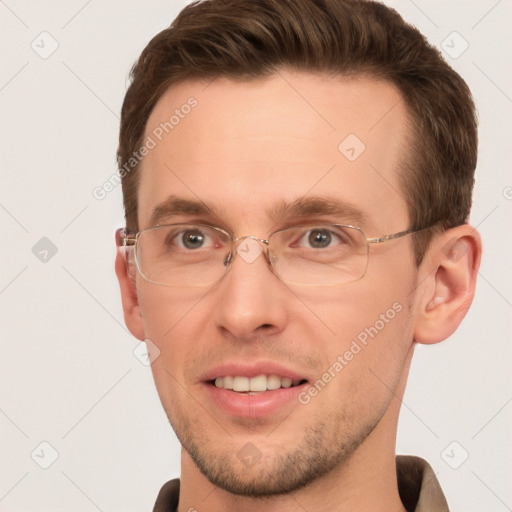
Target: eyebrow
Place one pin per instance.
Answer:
(283, 212)
(174, 206)
(305, 208)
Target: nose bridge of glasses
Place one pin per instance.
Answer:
(240, 239)
(248, 247)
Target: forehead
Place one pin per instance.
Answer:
(247, 147)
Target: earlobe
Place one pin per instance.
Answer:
(126, 274)
(452, 266)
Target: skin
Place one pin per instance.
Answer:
(245, 148)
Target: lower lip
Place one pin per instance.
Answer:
(259, 405)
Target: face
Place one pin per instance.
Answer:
(248, 150)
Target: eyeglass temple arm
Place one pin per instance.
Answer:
(392, 236)
(123, 239)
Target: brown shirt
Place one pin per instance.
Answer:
(417, 484)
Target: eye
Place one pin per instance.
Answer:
(319, 238)
(193, 239)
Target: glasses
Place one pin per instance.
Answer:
(197, 254)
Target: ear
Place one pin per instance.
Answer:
(126, 272)
(448, 278)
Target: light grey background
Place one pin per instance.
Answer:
(68, 374)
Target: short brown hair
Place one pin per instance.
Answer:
(244, 39)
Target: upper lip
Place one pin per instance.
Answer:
(251, 370)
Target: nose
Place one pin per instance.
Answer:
(252, 298)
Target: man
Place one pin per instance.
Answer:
(297, 179)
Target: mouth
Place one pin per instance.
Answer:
(258, 396)
(260, 389)
(255, 385)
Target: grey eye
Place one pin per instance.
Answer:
(193, 239)
(319, 238)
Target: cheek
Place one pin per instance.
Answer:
(370, 335)
(167, 309)
(351, 310)
(172, 322)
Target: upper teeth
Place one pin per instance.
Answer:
(259, 383)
